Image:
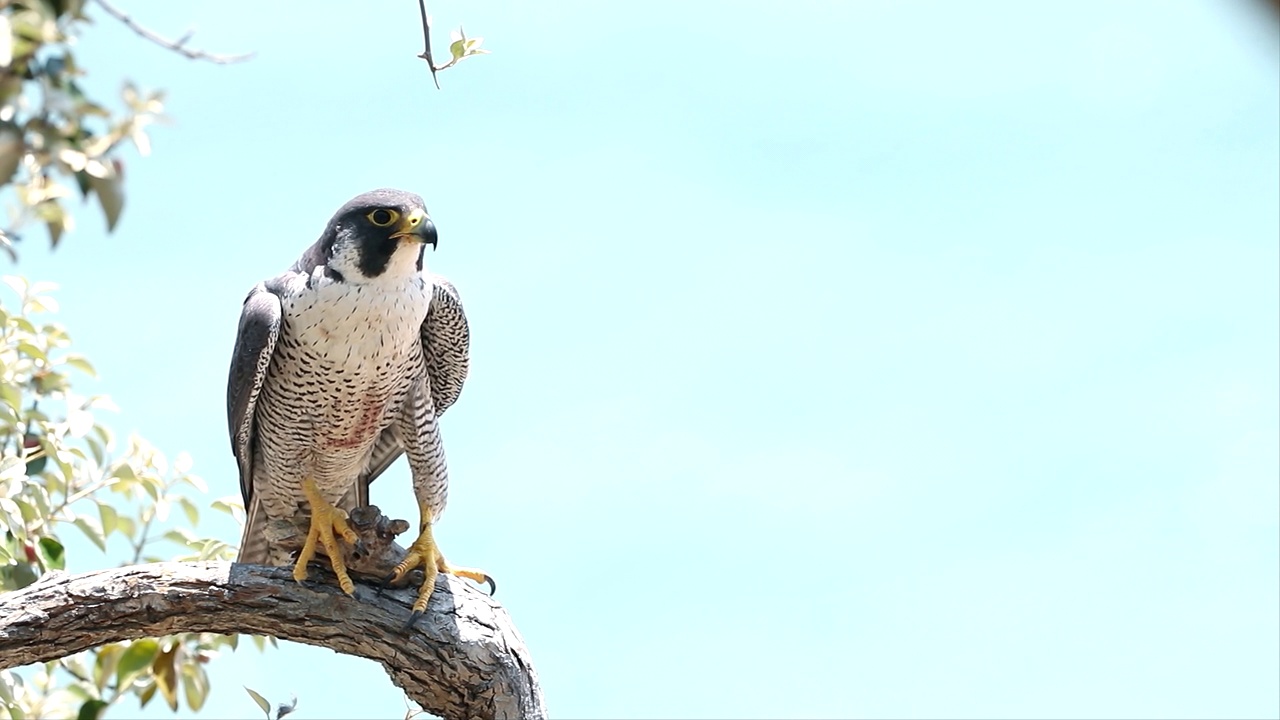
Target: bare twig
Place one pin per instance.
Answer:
(426, 41)
(179, 46)
(461, 47)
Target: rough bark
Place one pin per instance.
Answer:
(463, 658)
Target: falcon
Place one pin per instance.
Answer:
(342, 363)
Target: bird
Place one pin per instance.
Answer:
(342, 363)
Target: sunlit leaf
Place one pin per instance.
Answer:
(166, 674)
(110, 518)
(182, 536)
(195, 481)
(137, 657)
(11, 146)
(11, 516)
(17, 283)
(127, 526)
(195, 686)
(12, 467)
(92, 530)
(189, 508)
(110, 191)
(262, 702)
(147, 693)
(104, 665)
(80, 363)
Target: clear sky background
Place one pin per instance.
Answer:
(830, 359)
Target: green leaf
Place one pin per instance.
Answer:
(137, 657)
(22, 575)
(195, 481)
(127, 526)
(80, 363)
(6, 687)
(12, 396)
(195, 685)
(17, 283)
(91, 710)
(124, 471)
(56, 223)
(52, 553)
(147, 693)
(41, 287)
(92, 530)
(166, 673)
(11, 517)
(110, 518)
(31, 350)
(110, 192)
(11, 146)
(181, 536)
(190, 509)
(12, 467)
(262, 702)
(104, 665)
(29, 512)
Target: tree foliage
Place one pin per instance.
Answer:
(56, 141)
(65, 487)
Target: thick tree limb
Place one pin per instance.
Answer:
(464, 658)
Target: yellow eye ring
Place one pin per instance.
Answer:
(383, 217)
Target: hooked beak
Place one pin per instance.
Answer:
(416, 226)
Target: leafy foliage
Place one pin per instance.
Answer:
(52, 135)
(61, 481)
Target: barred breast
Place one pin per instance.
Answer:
(347, 357)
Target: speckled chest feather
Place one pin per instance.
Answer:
(347, 358)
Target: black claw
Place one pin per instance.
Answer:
(413, 618)
(493, 585)
(386, 582)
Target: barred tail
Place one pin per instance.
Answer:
(254, 549)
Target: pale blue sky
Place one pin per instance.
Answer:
(831, 359)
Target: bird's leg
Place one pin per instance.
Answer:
(327, 522)
(424, 553)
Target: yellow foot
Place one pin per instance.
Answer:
(424, 553)
(327, 524)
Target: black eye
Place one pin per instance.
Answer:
(383, 217)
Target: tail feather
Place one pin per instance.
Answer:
(254, 549)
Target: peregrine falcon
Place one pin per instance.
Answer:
(342, 363)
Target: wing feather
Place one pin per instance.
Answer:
(256, 340)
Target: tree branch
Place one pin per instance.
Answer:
(426, 41)
(179, 46)
(464, 659)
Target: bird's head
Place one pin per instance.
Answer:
(380, 234)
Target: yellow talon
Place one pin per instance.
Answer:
(327, 523)
(424, 553)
